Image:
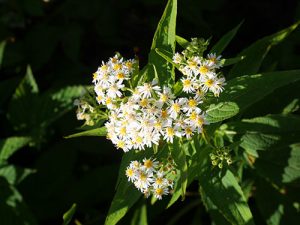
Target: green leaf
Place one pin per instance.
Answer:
(27, 85)
(256, 52)
(126, 194)
(14, 174)
(219, 47)
(280, 165)
(179, 156)
(2, 47)
(224, 192)
(181, 41)
(249, 89)
(94, 132)
(231, 61)
(10, 145)
(263, 133)
(167, 56)
(221, 111)
(277, 207)
(140, 216)
(67, 217)
(164, 38)
(13, 210)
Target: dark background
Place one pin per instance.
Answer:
(64, 41)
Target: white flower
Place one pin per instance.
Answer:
(177, 58)
(160, 191)
(175, 107)
(214, 60)
(188, 85)
(147, 89)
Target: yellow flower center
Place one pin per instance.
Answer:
(164, 114)
(121, 144)
(95, 76)
(120, 75)
(128, 65)
(170, 131)
(193, 116)
(148, 164)
(104, 68)
(176, 107)
(144, 102)
(117, 66)
(129, 172)
(192, 64)
(192, 103)
(209, 82)
(164, 97)
(203, 69)
(159, 191)
(159, 181)
(123, 131)
(187, 83)
(188, 131)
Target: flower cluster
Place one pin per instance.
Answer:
(109, 79)
(220, 156)
(152, 113)
(200, 74)
(150, 177)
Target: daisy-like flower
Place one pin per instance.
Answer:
(214, 60)
(188, 85)
(150, 164)
(131, 174)
(178, 58)
(160, 191)
(147, 89)
(208, 82)
(175, 107)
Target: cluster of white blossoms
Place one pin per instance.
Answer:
(150, 177)
(200, 74)
(151, 114)
(109, 80)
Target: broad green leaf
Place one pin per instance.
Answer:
(13, 210)
(94, 132)
(277, 207)
(224, 192)
(124, 199)
(182, 41)
(67, 217)
(249, 89)
(126, 194)
(256, 52)
(10, 145)
(55, 103)
(179, 156)
(2, 47)
(221, 111)
(164, 38)
(219, 47)
(280, 165)
(140, 216)
(167, 56)
(14, 174)
(267, 132)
